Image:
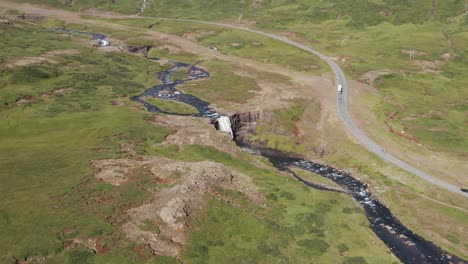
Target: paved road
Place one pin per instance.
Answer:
(343, 110)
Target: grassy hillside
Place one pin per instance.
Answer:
(72, 107)
(65, 104)
(282, 12)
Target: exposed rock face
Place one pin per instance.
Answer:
(25, 100)
(189, 130)
(243, 124)
(114, 171)
(140, 49)
(183, 188)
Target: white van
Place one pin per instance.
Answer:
(340, 88)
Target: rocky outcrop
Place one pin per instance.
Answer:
(243, 124)
(140, 49)
(182, 189)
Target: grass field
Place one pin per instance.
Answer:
(172, 106)
(223, 85)
(46, 146)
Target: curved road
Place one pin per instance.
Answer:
(342, 107)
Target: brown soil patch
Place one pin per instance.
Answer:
(425, 64)
(173, 49)
(25, 100)
(112, 48)
(27, 61)
(5, 21)
(341, 59)
(386, 13)
(414, 52)
(256, 3)
(100, 12)
(49, 56)
(371, 76)
(100, 249)
(90, 243)
(53, 53)
(58, 92)
(431, 67)
(117, 103)
(195, 36)
(114, 171)
(256, 43)
(394, 131)
(446, 56)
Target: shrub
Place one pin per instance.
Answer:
(342, 248)
(314, 247)
(355, 260)
(3, 83)
(30, 74)
(272, 196)
(287, 195)
(80, 256)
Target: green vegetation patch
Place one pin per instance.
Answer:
(46, 147)
(280, 129)
(223, 85)
(172, 106)
(261, 48)
(179, 74)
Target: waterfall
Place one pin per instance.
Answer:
(224, 124)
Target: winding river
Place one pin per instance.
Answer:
(167, 90)
(407, 246)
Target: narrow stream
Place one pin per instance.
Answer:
(407, 246)
(167, 90)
